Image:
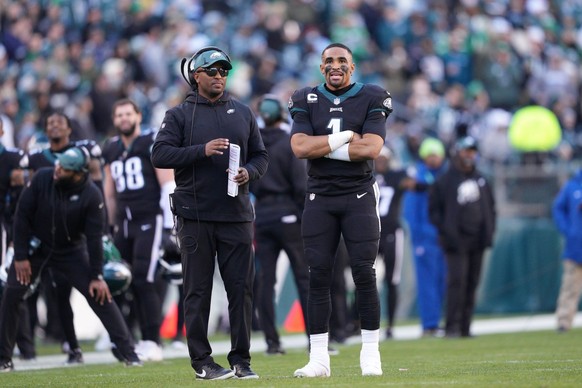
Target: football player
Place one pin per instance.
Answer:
(339, 127)
(135, 192)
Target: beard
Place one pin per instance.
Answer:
(64, 183)
(128, 131)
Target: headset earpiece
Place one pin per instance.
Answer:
(87, 159)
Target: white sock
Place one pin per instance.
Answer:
(370, 340)
(319, 343)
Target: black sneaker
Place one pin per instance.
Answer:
(131, 359)
(213, 371)
(6, 366)
(75, 357)
(244, 371)
(274, 350)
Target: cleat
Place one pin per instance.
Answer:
(244, 371)
(313, 369)
(275, 350)
(131, 359)
(213, 371)
(370, 363)
(6, 366)
(75, 357)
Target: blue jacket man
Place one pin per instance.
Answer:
(567, 213)
(429, 260)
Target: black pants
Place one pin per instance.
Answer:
(392, 250)
(464, 271)
(271, 239)
(325, 219)
(139, 242)
(202, 243)
(76, 269)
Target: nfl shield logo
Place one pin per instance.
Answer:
(336, 101)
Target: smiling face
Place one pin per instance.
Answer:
(127, 120)
(57, 128)
(337, 67)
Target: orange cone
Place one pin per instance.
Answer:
(294, 322)
(168, 327)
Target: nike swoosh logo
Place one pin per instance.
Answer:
(360, 195)
(202, 375)
(145, 227)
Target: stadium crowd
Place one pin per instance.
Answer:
(450, 65)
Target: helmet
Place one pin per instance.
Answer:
(271, 109)
(170, 259)
(117, 275)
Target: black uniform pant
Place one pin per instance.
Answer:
(464, 271)
(76, 269)
(392, 250)
(270, 239)
(325, 219)
(138, 242)
(231, 244)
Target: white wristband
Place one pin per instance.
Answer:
(336, 140)
(342, 153)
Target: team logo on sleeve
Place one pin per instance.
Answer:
(311, 98)
(290, 103)
(388, 103)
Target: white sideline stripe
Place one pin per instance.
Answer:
(298, 341)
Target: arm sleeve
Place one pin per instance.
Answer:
(560, 211)
(94, 226)
(167, 151)
(300, 113)
(258, 158)
(23, 220)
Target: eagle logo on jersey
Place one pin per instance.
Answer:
(388, 103)
(230, 111)
(311, 98)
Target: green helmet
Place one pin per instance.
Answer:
(110, 251)
(117, 275)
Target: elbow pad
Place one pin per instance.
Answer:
(336, 140)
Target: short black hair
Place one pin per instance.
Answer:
(57, 113)
(340, 45)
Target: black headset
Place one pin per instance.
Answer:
(188, 75)
(269, 117)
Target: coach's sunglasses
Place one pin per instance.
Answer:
(213, 71)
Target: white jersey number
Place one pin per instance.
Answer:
(128, 174)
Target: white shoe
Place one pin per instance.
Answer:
(370, 363)
(178, 345)
(313, 369)
(103, 343)
(149, 351)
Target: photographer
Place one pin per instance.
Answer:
(58, 225)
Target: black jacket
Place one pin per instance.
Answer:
(445, 210)
(201, 181)
(281, 191)
(67, 221)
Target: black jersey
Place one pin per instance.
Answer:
(390, 198)
(136, 183)
(315, 111)
(10, 159)
(46, 157)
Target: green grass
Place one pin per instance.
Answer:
(530, 359)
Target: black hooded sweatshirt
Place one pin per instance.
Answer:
(201, 181)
